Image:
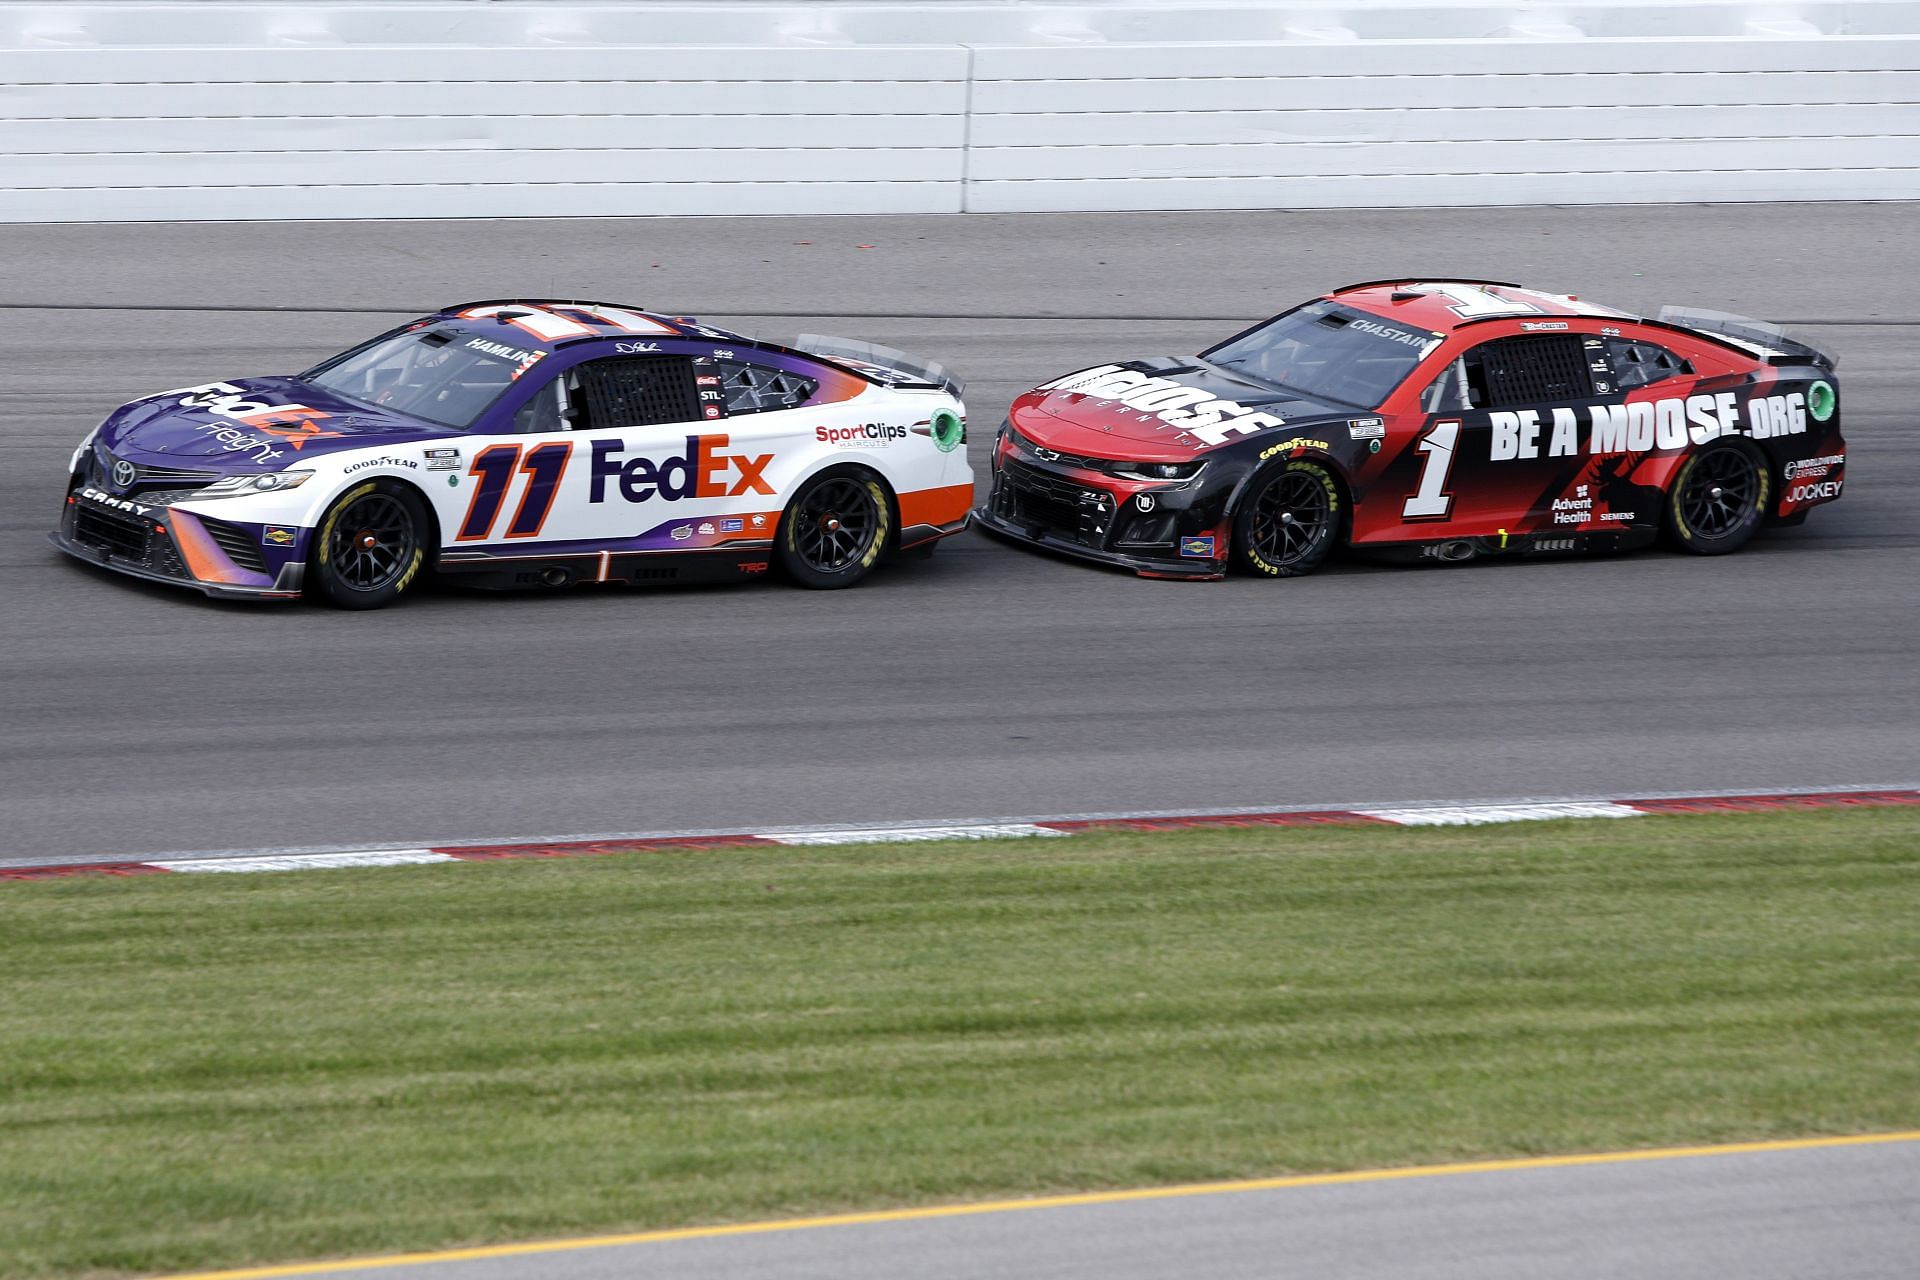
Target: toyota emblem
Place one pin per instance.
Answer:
(124, 473)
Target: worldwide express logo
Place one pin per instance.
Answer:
(704, 470)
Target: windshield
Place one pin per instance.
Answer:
(443, 375)
(1328, 352)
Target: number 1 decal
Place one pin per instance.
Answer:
(1473, 303)
(1431, 501)
(494, 468)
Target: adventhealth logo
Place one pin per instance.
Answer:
(705, 470)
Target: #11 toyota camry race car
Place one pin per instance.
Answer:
(528, 443)
(1431, 419)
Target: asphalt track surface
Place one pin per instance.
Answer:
(1839, 1213)
(986, 682)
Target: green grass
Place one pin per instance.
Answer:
(203, 1071)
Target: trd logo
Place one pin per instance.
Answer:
(701, 472)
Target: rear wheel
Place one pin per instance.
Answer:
(1287, 521)
(370, 547)
(1719, 500)
(835, 529)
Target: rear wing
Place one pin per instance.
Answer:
(880, 364)
(1767, 342)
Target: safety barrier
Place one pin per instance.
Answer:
(214, 110)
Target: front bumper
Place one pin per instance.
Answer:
(1091, 516)
(176, 548)
(1188, 570)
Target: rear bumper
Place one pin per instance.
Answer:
(919, 535)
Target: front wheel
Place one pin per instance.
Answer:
(1719, 500)
(1287, 521)
(370, 547)
(835, 529)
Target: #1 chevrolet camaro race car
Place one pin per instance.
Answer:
(519, 443)
(1436, 420)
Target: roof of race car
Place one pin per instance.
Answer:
(1441, 306)
(552, 322)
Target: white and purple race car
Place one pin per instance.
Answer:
(524, 443)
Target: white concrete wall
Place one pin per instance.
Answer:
(461, 108)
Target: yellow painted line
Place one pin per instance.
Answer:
(1048, 1202)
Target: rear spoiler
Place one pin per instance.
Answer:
(1769, 342)
(880, 364)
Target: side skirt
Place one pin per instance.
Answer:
(604, 568)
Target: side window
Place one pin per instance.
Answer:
(545, 411)
(620, 391)
(752, 388)
(1448, 393)
(1637, 364)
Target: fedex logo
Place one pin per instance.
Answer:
(704, 470)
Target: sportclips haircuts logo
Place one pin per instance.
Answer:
(705, 470)
(1201, 414)
(870, 435)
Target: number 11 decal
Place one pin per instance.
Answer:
(494, 468)
(1431, 501)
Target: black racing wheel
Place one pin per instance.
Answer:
(1719, 499)
(835, 529)
(370, 547)
(1287, 521)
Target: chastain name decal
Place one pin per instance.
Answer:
(1645, 425)
(1425, 341)
(1200, 413)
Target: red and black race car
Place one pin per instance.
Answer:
(1440, 419)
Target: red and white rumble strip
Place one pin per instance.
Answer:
(1459, 815)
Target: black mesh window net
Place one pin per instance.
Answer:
(638, 391)
(1518, 371)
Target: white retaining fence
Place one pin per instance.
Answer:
(463, 108)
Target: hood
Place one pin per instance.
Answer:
(1165, 409)
(265, 424)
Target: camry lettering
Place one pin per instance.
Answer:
(118, 504)
(704, 470)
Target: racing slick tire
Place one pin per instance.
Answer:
(835, 530)
(1719, 500)
(370, 547)
(1288, 521)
